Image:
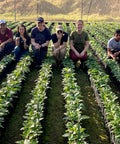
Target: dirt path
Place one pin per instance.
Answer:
(94, 125)
(53, 125)
(12, 131)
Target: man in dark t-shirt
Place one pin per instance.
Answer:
(59, 47)
(40, 38)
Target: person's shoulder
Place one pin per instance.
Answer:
(46, 29)
(34, 29)
(85, 33)
(73, 33)
(65, 33)
(54, 34)
(8, 29)
(111, 39)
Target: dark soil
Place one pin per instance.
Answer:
(95, 126)
(53, 124)
(11, 132)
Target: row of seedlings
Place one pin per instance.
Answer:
(72, 26)
(14, 29)
(97, 35)
(31, 129)
(103, 31)
(103, 57)
(12, 25)
(102, 54)
(110, 26)
(29, 27)
(5, 62)
(74, 106)
(106, 99)
(12, 86)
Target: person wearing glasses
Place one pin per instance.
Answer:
(59, 39)
(40, 38)
(79, 44)
(7, 43)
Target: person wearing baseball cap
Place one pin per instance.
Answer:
(40, 19)
(113, 46)
(6, 39)
(59, 39)
(2, 21)
(40, 38)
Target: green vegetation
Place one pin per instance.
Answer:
(57, 105)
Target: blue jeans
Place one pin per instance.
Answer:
(39, 54)
(7, 49)
(19, 52)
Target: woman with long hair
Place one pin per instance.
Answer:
(22, 42)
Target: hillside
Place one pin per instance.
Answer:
(59, 9)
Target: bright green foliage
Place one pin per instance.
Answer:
(108, 98)
(34, 112)
(12, 86)
(74, 106)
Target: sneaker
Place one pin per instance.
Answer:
(78, 63)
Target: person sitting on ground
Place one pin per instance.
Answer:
(113, 46)
(22, 41)
(6, 39)
(40, 38)
(59, 47)
(79, 44)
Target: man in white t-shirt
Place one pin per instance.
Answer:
(113, 46)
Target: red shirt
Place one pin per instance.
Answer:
(8, 34)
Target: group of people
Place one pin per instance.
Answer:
(40, 38)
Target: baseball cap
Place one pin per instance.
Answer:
(59, 27)
(40, 19)
(2, 22)
(117, 31)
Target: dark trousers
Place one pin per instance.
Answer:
(39, 55)
(19, 53)
(74, 57)
(7, 50)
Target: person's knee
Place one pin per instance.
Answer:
(63, 52)
(17, 49)
(9, 46)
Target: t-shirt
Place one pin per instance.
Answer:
(113, 44)
(22, 42)
(63, 39)
(41, 36)
(79, 40)
(8, 34)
